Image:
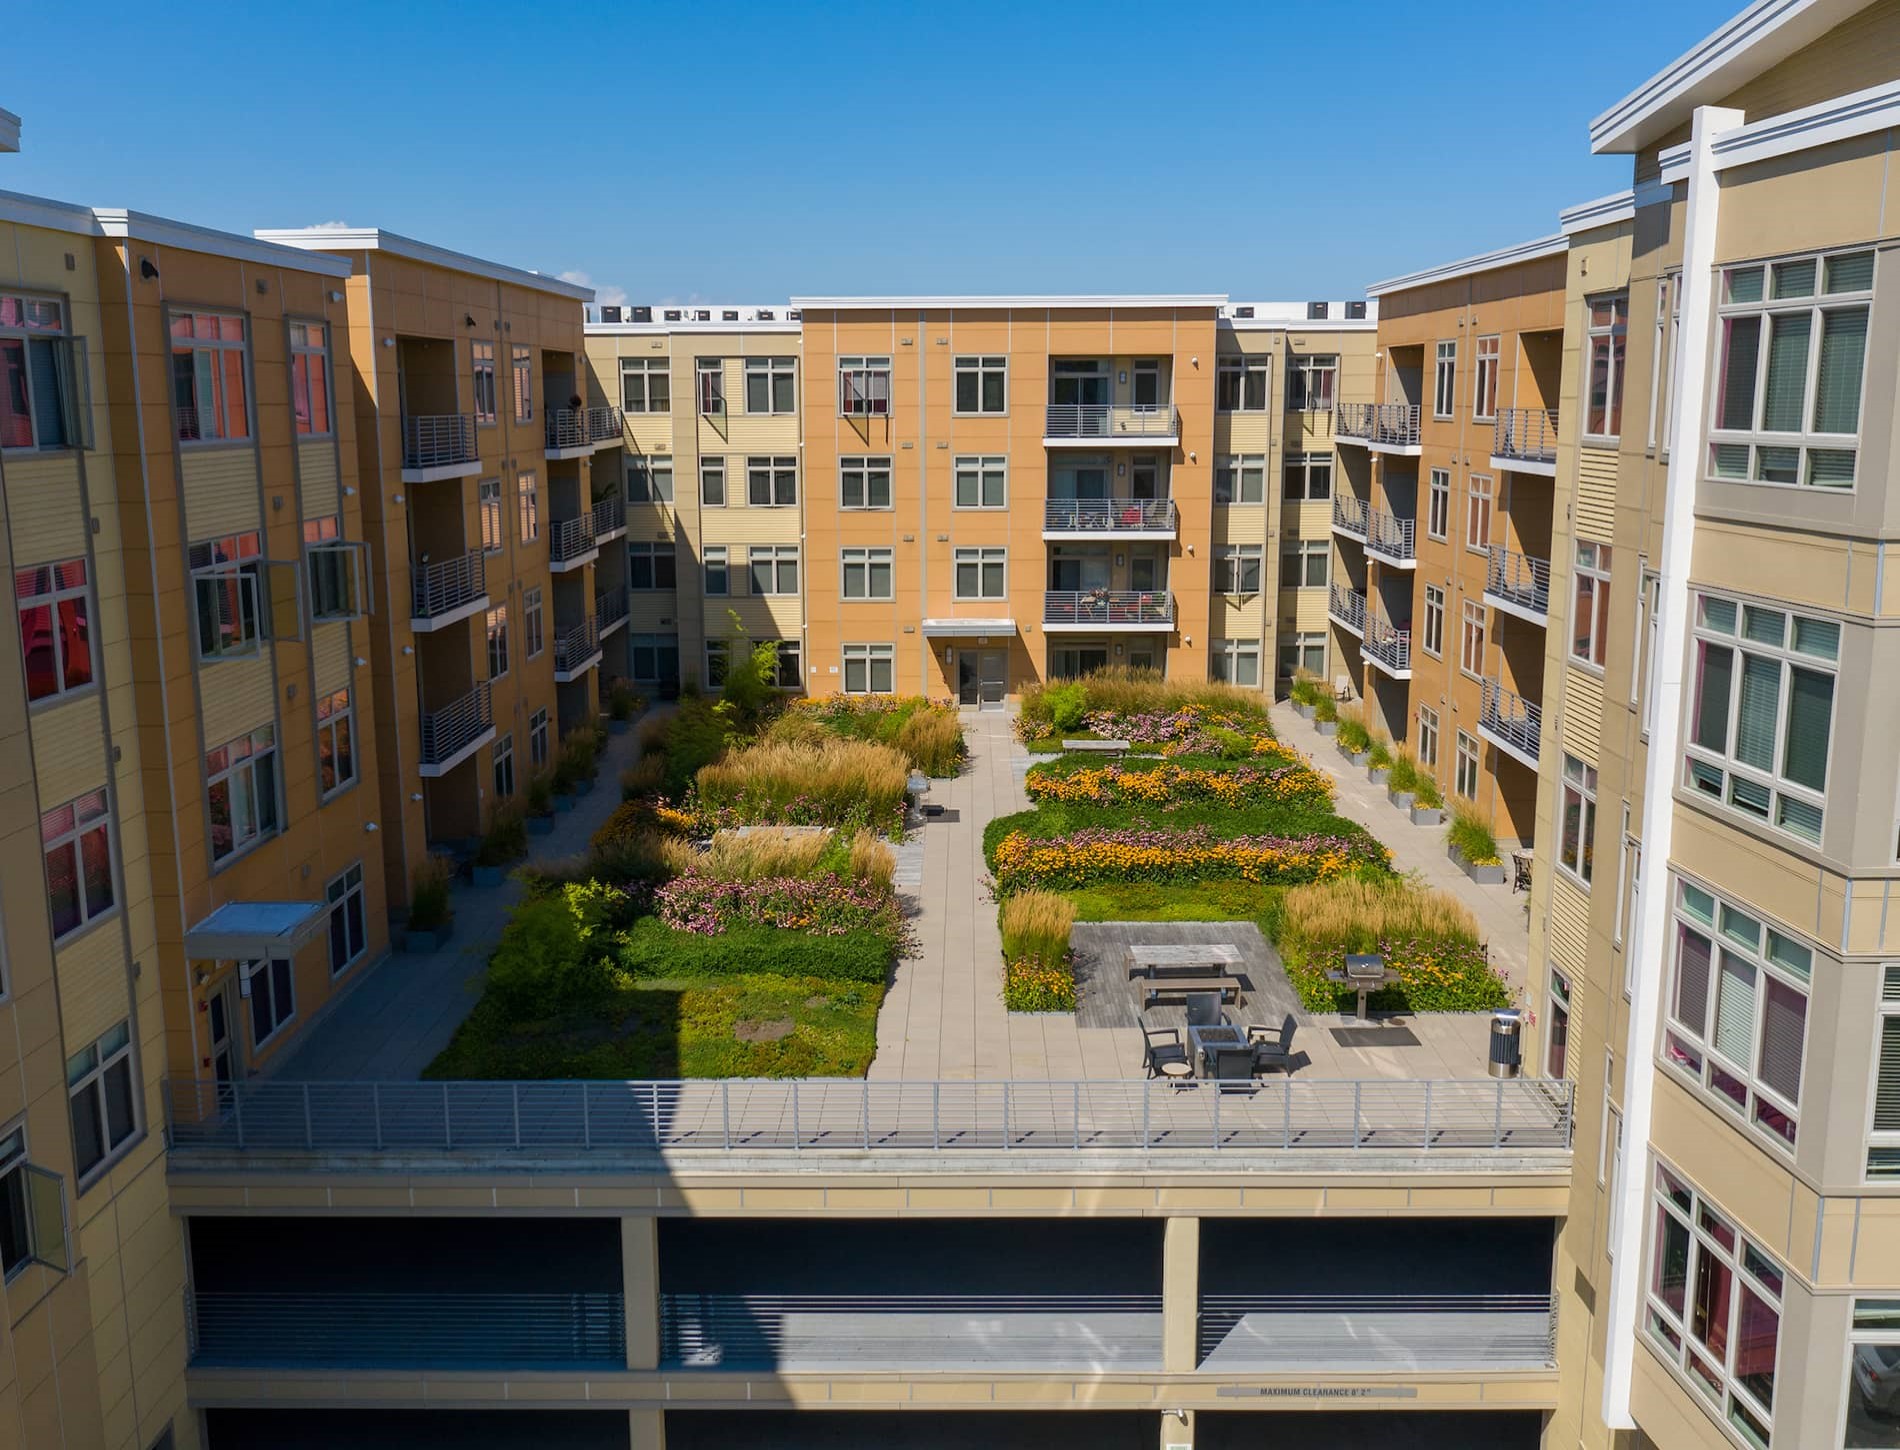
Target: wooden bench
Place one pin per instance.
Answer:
(1228, 987)
(1097, 747)
(1169, 961)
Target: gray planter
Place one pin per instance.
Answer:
(427, 939)
(1377, 773)
(1401, 798)
(1326, 727)
(1305, 712)
(487, 875)
(1354, 756)
(1483, 875)
(562, 802)
(540, 825)
(1427, 815)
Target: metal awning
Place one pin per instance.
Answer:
(247, 930)
(968, 628)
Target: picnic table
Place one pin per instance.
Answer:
(1202, 967)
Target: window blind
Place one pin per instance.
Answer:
(1783, 1032)
(1788, 340)
(1810, 709)
(1843, 356)
(1735, 1009)
(1692, 979)
(1712, 699)
(1887, 1083)
(1755, 716)
(1740, 354)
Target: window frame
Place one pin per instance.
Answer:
(1307, 468)
(302, 351)
(779, 472)
(211, 352)
(538, 739)
(343, 892)
(646, 369)
(1445, 381)
(1294, 652)
(1231, 572)
(980, 467)
(1481, 511)
(868, 656)
(1883, 1143)
(235, 579)
(982, 558)
(1577, 789)
(481, 365)
(1246, 377)
(1302, 552)
(501, 765)
(59, 338)
(865, 558)
(1472, 627)
(712, 467)
(336, 725)
(53, 601)
(776, 376)
(259, 745)
(1231, 658)
(1612, 338)
(528, 504)
(858, 386)
(1428, 736)
(1438, 505)
(653, 551)
(267, 981)
(1487, 369)
(1557, 1029)
(74, 837)
(1589, 643)
(709, 386)
(715, 562)
(488, 504)
(1231, 474)
(122, 1053)
(981, 367)
(1431, 637)
(1301, 374)
(644, 474)
(864, 467)
(1469, 761)
(521, 380)
(776, 559)
(495, 635)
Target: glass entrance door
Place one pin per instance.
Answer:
(223, 1050)
(982, 678)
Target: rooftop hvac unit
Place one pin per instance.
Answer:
(703, 315)
(794, 314)
(1356, 311)
(642, 314)
(1243, 312)
(1316, 312)
(731, 314)
(609, 314)
(672, 314)
(764, 314)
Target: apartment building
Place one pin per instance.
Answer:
(485, 518)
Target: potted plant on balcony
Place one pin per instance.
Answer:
(430, 922)
(1472, 847)
(506, 841)
(540, 798)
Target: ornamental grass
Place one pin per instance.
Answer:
(1353, 733)
(928, 733)
(1427, 936)
(833, 783)
(1036, 927)
(1470, 835)
(1023, 862)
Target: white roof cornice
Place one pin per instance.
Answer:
(374, 239)
(1485, 262)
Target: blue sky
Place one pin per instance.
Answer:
(751, 152)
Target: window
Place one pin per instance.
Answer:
(1303, 652)
(32, 1210)
(772, 482)
(488, 498)
(1557, 1028)
(1737, 1011)
(1609, 320)
(712, 482)
(789, 674)
(349, 930)
(982, 483)
(241, 791)
(982, 384)
(336, 742)
(1306, 565)
(498, 642)
(42, 402)
(1484, 388)
(1478, 498)
(650, 479)
(718, 657)
(482, 359)
(981, 573)
(76, 841)
(867, 573)
(774, 568)
(1147, 383)
(1240, 479)
(645, 385)
(1669, 372)
(864, 387)
(1237, 568)
(1649, 604)
(1308, 477)
(55, 607)
(310, 377)
(768, 385)
(653, 658)
(1873, 1359)
(530, 489)
(504, 765)
(227, 587)
(533, 622)
(1590, 619)
(1714, 1306)
(652, 566)
(1883, 1156)
(1427, 736)
(716, 573)
(1237, 661)
(521, 365)
(710, 382)
(864, 483)
(1663, 356)
(209, 387)
(1310, 385)
(103, 1098)
(1465, 770)
(1471, 641)
(333, 571)
(1576, 849)
(1445, 380)
(1438, 504)
(1762, 711)
(273, 996)
(870, 669)
(1788, 386)
(1240, 385)
(1431, 638)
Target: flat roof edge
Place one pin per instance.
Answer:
(374, 239)
(1484, 262)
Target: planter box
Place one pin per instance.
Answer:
(561, 801)
(1305, 712)
(1427, 815)
(1326, 727)
(427, 939)
(1377, 773)
(1483, 875)
(582, 787)
(1401, 798)
(619, 727)
(540, 825)
(487, 875)
(1354, 756)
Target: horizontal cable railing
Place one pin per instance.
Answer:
(1349, 514)
(567, 428)
(1108, 515)
(713, 1331)
(371, 1329)
(574, 646)
(1154, 607)
(447, 584)
(269, 1116)
(603, 425)
(1510, 717)
(570, 538)
(455, 726)
(1349, 1330)
(1348, 606)
(1527, 434)
(1394, 537)
(435, 440)
(1387, 645)
(609, 513)
(610, 606)
(1110, 420)
(1519, 578)
(1391, 425)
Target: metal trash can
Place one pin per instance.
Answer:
(1507, 1044)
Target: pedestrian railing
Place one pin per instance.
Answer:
(438, 440)
(447, 585)
(1510, 720)
(1518, 579)
(1353, 1331)
(1527, 435)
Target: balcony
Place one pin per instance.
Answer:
(1380, 427)
(1518, 584)
(447, 591)
(1070, 610)
(1394, 540)
(605, 428)
(456, 731)
(610, 519)
(1348, 609)
(571, 543)
(1524, 440)
(439, 445)
(610, 610)
(1274, 1333)
(576, 650)
(1510, 722)
(1388, 649)
(1109, 518)
(1349, 516)
(1091, 425)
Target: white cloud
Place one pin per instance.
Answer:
(605, 295)
(330, 226)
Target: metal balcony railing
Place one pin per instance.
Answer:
(1150, 607)
(567, 428)
(438, 440)
(610, 607)
(1269, 1332)
(1393, 537)
(1389, 646)
(1134, 421)
(1348, 606)
(370, 1329)
(570, 538)
(1510, 718)
(575, 645)
(1108, 516)
(609, 513)
(1388, 425)
(910, 1331)
(1349, 515)
(446, 585)
(1522, 580)
(1529, 434)
(271, 1117)
(456, 725)
(603, 425)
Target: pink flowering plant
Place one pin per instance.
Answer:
(822, 904)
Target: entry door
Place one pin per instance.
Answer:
(223, 1046)
(1144, 569)
(993, 678)
(1145, 479)
(969, 678)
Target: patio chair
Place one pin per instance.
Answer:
(1203, 1009)
(1272, 1050)
(1164, 1054)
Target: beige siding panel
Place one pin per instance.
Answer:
(1596, 495)
(44, 509)
(69, 750)
(316, 479)
(94, 990)
(330, 650)
(220, 493)
(1569, 928)
(1582, 725)
(239, 696)
(1248, 433)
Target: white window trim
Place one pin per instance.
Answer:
(865, 558)
(771, 369)
(982, 557)
(1582, 782)
(978, 365)
(339, 902)
(774, 556)
(982, 464)
(1614, 401)
(1485, 367)
(864, 465)
(868, 655)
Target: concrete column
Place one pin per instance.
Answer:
(1180, 1295)
(647, 1427)
(640, 1284)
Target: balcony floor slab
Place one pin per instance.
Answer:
(441, 471)
(1524, 465)
(429, 623)
(437, 769)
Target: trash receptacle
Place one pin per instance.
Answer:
(1507, 1046)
